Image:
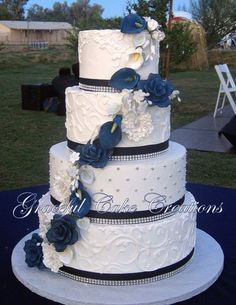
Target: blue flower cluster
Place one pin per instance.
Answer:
(33, 252)
(159, 89)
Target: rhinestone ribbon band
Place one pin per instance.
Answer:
(135, 217)
(126, 279)
(128, 153)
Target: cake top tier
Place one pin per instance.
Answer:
(103, 52)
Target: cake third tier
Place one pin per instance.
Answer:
(121, 186)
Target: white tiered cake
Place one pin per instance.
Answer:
(130, 219)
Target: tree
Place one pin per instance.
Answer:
(85, 15)
(156, 9)
(12, 9)
(218, 18)
(181, 43)
(178, 39)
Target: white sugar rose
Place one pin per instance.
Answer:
(158, 35)
(152, 24)
(51, 257)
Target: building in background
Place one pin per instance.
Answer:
(36, 34)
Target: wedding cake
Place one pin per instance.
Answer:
(117, 212)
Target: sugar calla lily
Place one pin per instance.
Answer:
(110, 133)
(136, 59)
(125, 78)
(133, 24)
(80, 202)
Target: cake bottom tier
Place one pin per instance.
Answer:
(124, 254)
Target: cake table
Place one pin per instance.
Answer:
(205, 268)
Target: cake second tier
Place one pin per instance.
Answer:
(86, 112)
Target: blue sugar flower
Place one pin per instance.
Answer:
(125, 78)
(80, 201)
(33, 252)
(159, 90)
(133, 24)
(110, 133)
(94, 154)
(63, 232)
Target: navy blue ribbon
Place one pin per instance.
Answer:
(130, 215)
(128, 276)
(127, 151)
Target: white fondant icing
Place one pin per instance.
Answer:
(134, 247)
(135, 183)
(103, 52)
(87, 111)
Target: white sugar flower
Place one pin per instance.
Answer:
(136, 58)
(51, 257)
(73, 172)
(74, 157)
(158, 35)
(152, 24)
(86, 174)
(139, 95)
(61, 187)
(175, 94)
(83, 223)
(137, 126)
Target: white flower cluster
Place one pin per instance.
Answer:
(144, 44)
(136, 122)
(53, 259)
(85, 174)
(61, 187)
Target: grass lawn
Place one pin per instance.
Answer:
(26, 136)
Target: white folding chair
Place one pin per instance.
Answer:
(227, 88)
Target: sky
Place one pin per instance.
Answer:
(112, 8)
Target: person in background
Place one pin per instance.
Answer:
(63, 80)
(75, 70)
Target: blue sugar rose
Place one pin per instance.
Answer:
(93, 154)
(133, 24)
(33, 252)
(159, 90)
(63, 232)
